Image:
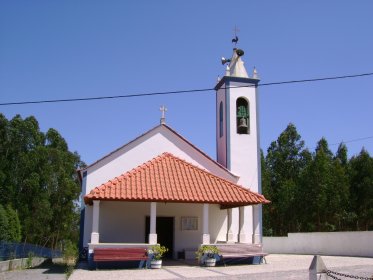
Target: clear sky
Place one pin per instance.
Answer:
(77, 49)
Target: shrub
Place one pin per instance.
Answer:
(158, 251)
(207, 250)
(70, 252)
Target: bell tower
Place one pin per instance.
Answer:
(237, 137)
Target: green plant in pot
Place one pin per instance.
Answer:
(206, 255)
(157, 252)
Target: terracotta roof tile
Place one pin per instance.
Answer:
(169, 178)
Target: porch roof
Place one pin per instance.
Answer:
(168, 178)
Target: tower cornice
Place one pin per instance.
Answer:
(226, 79)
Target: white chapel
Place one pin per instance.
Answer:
(161, 189)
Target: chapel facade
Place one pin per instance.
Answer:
(161, 189)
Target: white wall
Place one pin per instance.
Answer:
(359, 243)
(217, 223)
(143, 149)
(124, 222)
(221, 142)
(243, 157)
(239, 152)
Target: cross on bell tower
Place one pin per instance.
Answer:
(163, 109)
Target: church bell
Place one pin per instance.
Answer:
(242, 127)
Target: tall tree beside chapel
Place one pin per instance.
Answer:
(38, 179)
(284, 164)
(361, 180)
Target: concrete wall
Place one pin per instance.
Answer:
(19, 263)
(358, 243)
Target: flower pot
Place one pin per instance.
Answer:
(156, 264)
(210, 262)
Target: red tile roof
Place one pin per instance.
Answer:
(167, 178)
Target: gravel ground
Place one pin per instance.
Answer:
(48, 271)
(278, 267)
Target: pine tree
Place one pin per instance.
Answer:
(284, 163)
(14, 230)
(361, 180)
(4, 225)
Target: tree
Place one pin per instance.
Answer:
(341, 155)
(267, 191)
(342, 215)
(361, 180)
(315, 191)
(4, 225)
(317, 181)
(284, 163)
(14, 230)
(38, 180)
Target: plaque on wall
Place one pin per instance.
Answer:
(189, 223)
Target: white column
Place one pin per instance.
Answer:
(95, 235)
(242, 237)
(230, 235)
(153, 223)
(257, 239)
(205, 225)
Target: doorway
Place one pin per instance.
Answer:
(165, 233)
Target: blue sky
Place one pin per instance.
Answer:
(77, 49)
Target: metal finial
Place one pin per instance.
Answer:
(163, 109)
(255, 73)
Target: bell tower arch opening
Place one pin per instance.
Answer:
(221, 114)
(242, 116)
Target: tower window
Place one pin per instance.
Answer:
(243, 116)
(221, 119)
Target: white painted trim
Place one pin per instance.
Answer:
(242, 238)
(95, 236)
(230, 235)
(259, 163)
(153, 223)
(256, 228)
(205, 225)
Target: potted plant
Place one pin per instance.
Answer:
(206, 255)
(156, 252)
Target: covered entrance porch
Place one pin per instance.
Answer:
(205, 209)
(181, 227)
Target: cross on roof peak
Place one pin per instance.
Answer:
(163, 109)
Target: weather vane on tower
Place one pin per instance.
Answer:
(237, 51)
(235, 39)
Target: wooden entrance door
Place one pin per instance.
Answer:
(165, 233)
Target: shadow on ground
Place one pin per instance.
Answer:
(50, 267)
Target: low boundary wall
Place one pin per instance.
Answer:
(20, 263)
(349, 243)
